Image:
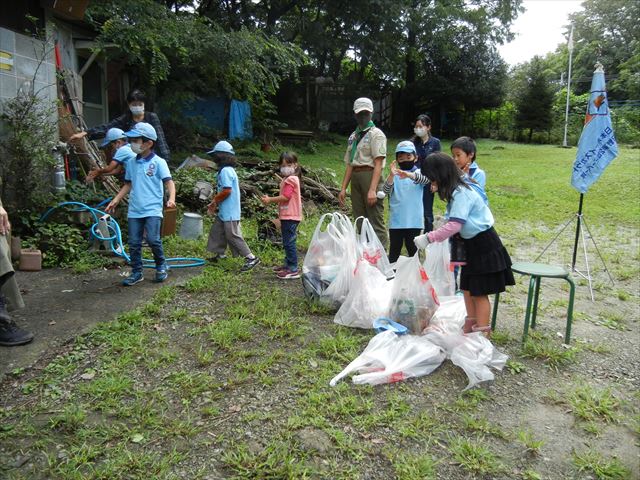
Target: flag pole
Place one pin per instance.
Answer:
(575, 244)
(566, 112)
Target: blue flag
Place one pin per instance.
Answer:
(597, 145)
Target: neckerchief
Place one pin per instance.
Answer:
(359, 135)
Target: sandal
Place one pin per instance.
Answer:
(469, 323)
(485, 330)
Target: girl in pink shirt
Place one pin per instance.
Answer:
(290, 212)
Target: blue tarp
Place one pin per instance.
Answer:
(240, 120)
(210, 109)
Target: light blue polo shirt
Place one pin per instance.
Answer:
(123, 155)
(229, 208)
(147, 177)
(467, 207)
(405, 204)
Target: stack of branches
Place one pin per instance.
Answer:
(259, 178)
(256, 177)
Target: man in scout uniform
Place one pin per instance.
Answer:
(365, 159)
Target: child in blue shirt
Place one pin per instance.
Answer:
(146, 177)
(488, 265)
(225, 231)
(406, 214)
(463, 151)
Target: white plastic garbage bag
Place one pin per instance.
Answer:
(437, 264)
(391, 358)
(476, 355)
(370, 247)
(337, 291)
(472, 352)
(324, 256)
(413, 299)
(449, 317)
(368, 297)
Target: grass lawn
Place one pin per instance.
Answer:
(227, 376)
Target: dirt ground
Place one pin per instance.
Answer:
(59, 305)
(229, 379)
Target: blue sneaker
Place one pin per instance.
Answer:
(132, 279)
(162, 273)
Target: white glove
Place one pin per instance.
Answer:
(421, 241)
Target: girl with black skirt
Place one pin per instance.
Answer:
(488, 266)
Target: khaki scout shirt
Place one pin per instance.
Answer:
(372, 146)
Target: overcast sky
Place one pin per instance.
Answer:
(539, 29)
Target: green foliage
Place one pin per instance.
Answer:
(535, 99)
(195, 56)
(26, 150)
(603, 469)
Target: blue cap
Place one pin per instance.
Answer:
(222, 146)
(112, 135)
(406, 146)
(142, 129)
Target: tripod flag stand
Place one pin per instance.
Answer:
(596, 149)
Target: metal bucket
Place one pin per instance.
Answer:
(191, 227)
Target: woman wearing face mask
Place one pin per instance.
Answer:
(135, 114)
(405, 220)
(425, 144)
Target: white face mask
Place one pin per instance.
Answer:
(286, 171)
(137, 148)
(137, 109)
(420, 132)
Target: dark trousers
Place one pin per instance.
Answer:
(289, 235)
(399, 236)
(150, 225)
(427, 204)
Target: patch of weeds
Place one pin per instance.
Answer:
(611, 319)
(527, 438)
(315, 307)
(70, 420)
(189, 384)
(164, 295)
(279, 459)
(501, 337)
(603, 469)
(470, 399)
(344, 345)
(423, 426)
(151, 309)
(226, 332)
(590, 404)
(577, 316)
(593, 428)
(626, 272)
(529, 474)
(543, 348)
(210, 411)
(279, 325)
(593, 347)
(515, 367)
(482, 426)
(412, 467)
(179, 314)
(205, 356)
(108, 388)
(623, 295)
(346, 444)
(474, 457)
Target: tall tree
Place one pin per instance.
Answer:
(535, 99)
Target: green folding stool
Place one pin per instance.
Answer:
(537, 271)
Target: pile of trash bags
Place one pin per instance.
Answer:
(350, 272)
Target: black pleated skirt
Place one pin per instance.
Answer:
(488, 268)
